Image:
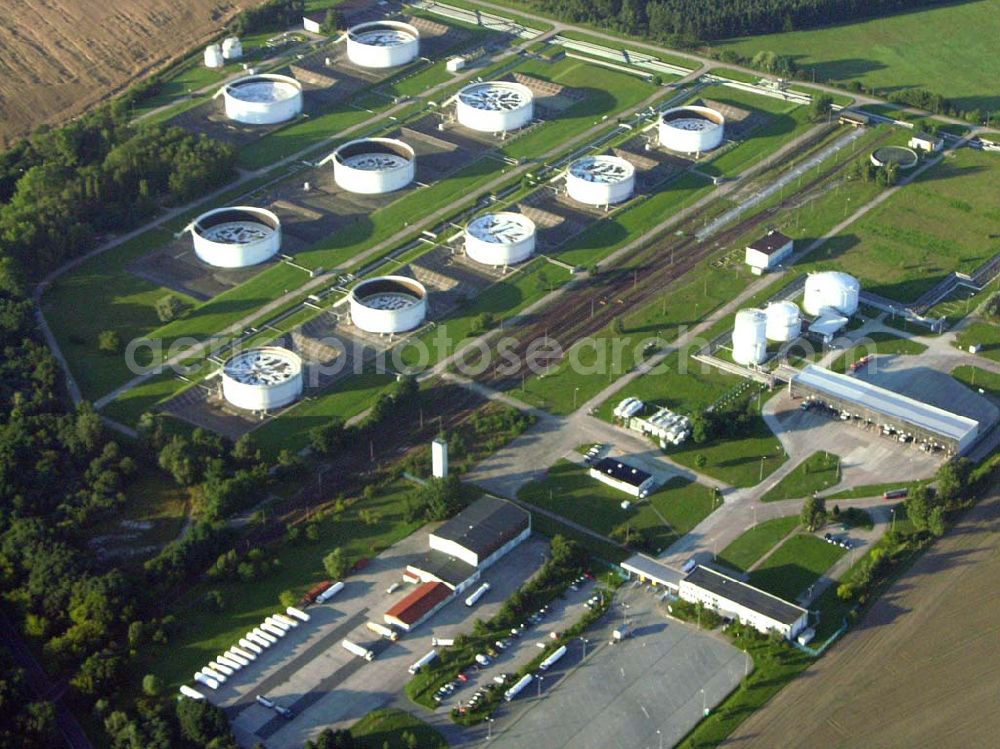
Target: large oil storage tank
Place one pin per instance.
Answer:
(263, 99)
(501, 238)
(495, 106)
(382, 44)
(600, 180)
(262, 379)
(784, 323)
(388, 304)
(236, 237)
(831, 290)
(232, 48)
(213, 56)
(749, 336)
(372, 166)
(691, 129)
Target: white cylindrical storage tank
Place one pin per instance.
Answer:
(262, 379)
(600, 180)
(388, 304)
(264, 99)
(495, 106)
(372, 166)
(502, 238)
(213, 56)
(749, 337)
(831, 290)
(783, 321)
(232, 48)
(236, 237)
(691, 129)
(382, 44)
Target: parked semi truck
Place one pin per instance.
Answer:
(517, 688)
(314, 592)
(359, 650)
(190, 693)
(430, 656)
(208, 681)
(477, 594)
(330, 592)
(302, 616)
(287, 620)
(620, 633)
(275, 622)
(383, 631)
(239, 659)
(552, 659)
(250, 647)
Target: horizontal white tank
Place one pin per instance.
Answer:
(784, 323)
(495, 106)
(388, 304)
(502, 238)
(213, 56)
(831, 290)
(373, 166)
(691, 129)
(749, 337)
(262, 379)
(600, 180)
(232, 48)
(382, 44)
(263, 99)
(236, 237)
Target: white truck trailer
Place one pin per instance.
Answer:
(552, 659)
(424, 660)
(517, 688)
(359, 650)
(330, 592)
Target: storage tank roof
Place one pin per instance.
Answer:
(501, 228)
(263, 366)
(606, 169)
(496, 96)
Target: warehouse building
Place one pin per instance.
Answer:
(622, 476)
(768, 252)
(470, 542)
(419, 605)
(926, 142)
(647, 570)
(863, 400)
(749, 605)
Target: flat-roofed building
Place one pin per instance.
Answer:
(768, 252)
(482, 532)
(418, 605)
(623, 477)
(647, 569)
(870, 402)
(926, 142)
(436, 566)
(751, 606)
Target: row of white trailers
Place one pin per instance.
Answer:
(251, 645)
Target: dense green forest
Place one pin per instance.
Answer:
(685, 21)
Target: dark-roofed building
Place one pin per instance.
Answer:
(623, 477)
(482, 532)
(313, 22)
(751, 606)
(436, 566)
(418, 605)
(768, 252)
(854, 119)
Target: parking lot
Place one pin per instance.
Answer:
(310, 672)
(623, 696)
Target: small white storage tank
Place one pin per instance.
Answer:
(262, 379)
(749, 337)
(784, 323)
(236, 237)
(382, 44)
(831, 290)
(600, 180)
(502, 238)
(213, 56)
(691, 129)
(388, 304)
(495, 106)
(264, 99)
(232, 48)
(373, 166)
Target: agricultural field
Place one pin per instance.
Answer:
(920, 626)
(795, 565)
(947, 220)
(908, 50)
(816, 473)
(62, 58)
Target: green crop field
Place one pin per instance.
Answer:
(949, 50)
(756, 542)
(819, 471)
(670, 512)
(795, 565)
(947, 220)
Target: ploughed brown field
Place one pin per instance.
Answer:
(922, 670)
(59, 57)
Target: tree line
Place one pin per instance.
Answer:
(683, 21)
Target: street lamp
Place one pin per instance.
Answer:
(660, 734)
(584, 640)
(704, 705)
(540, 680)
(489, 728)
(575, 391)
(892, 513)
